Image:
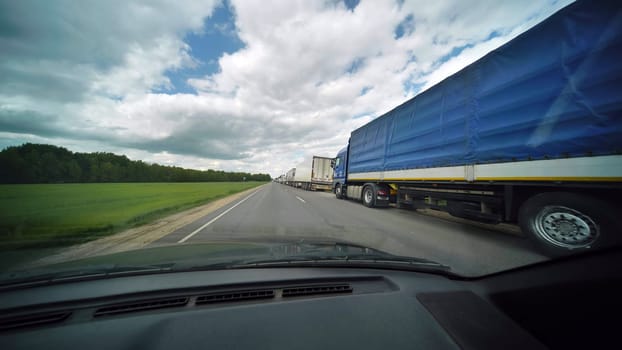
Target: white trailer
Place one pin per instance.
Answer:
(289, 177)
(314, 173)
(280, 179)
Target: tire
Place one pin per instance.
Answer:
(560, 223)
(369, 198)
(338, 191)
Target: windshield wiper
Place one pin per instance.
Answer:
(31, 279)
(356, 260)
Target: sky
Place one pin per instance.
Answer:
(248, 85)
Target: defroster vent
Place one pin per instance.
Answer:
(314, 290)
(142, 305)
(33, 320)
(235, 296)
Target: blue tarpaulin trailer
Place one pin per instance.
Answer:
(529, 133)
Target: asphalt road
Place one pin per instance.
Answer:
(276, 211)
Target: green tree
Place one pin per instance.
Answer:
(34, 163)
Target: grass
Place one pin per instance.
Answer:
(53, 215)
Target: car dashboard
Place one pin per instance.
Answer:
(311, 308)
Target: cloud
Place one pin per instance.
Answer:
(31, 122)
(95, 75)
(63, 50)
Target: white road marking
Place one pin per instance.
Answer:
(300, 199)
(216, 218)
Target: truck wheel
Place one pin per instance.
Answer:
(369, 196)
(338, 191)
(564, 223)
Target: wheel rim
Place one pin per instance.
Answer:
(368, 196)
(338, 189)
(565, 227)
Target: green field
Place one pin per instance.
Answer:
(46, 215)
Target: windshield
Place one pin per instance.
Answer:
(456, 137)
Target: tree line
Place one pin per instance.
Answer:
(37, 163)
